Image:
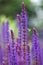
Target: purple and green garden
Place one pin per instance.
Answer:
(20, 49)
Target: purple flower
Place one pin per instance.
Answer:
(5, 32)
(13, 50)
(19, 29)
(24, 25)
(36, 55)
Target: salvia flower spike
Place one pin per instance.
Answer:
(13, 50)
(19, 28)
(36, 48)
(24, 25)
(5, 32)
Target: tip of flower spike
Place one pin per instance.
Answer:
(7, 22)
(12, 36)
(23, 6)
(12, 33)
(19, 17)
(34, 30)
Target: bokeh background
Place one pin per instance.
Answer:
(34, 8)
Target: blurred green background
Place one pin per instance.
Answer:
(10, 8)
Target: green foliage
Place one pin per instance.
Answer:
(11, 7)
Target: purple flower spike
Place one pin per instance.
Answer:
(23, 6)
(9, 55)
(24, 25)
(36, 55)
(20, 29)
(13, 50)
(5, 57)
(5, 32)
(28, 61)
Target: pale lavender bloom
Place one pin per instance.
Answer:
(5, 32)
